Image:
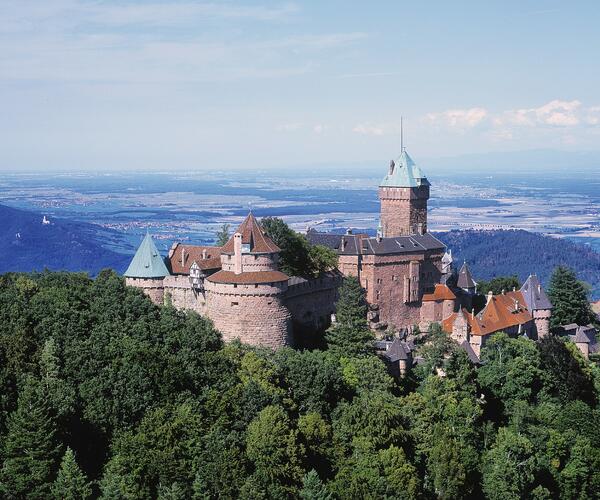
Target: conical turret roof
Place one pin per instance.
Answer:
(465, 279)
(404, 173)
(534, 294)
(147, 261)
(253, 235)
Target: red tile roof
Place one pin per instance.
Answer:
(253, 235)
(248, 278)
(441, 292)
(193, 253)
(501, 312)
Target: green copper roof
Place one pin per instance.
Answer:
(147, 262)
(405, 173)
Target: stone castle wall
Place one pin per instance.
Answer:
(183, 296)
(312, 303)
(395, 285)
(152, 287)
(255, 314)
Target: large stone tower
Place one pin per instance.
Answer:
(403, 192)
(246, 298)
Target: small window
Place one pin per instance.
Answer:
(379, 280)
(245, 247)
(234, 303)
(235, 285)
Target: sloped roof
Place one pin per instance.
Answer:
(253, 235)
(191, 254)
(534, 294)
(465, 279)
(501, 312)
(441, 292)
(355, 244)
(397, 351)
(147, 262)
(255, 277)
(404, 173)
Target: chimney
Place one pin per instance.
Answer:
(490, 296)
(204, 253)
(237, 253)
(183, 256)
(343, 244)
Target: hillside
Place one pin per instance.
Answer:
(26, 244)
(502, 253)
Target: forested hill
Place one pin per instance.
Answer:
(26, 244)
(504, 253)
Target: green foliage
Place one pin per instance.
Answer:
(153, 405)
(223, 235)
(71, 483)
(31, 449)
(298, 257)
(350, 335)
(313, 488)
(498, 285)
(569, 297)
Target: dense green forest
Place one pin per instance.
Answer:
(105, 395)
(504, 253)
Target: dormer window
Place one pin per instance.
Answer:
(245, 247)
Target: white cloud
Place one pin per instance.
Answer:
(593, 116)
(458, 118)
(556, 113)
(369, 129)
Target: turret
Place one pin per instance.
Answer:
(147, 270)
(538, 304)
(246, 298)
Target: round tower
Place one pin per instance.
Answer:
(403, 193)
(246, 298)
(147, 271)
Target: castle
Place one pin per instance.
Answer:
(238, 286)
(407, 274)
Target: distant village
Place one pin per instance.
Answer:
(410, 279)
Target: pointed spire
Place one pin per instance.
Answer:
(147, 261)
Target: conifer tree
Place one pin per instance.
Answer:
(313, 488)
(223, 235)
(31, 449)
(71, 483)
(350, 334)
(569, 298)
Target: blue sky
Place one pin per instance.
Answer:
(88, 85)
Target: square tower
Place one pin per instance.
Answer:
(403, 193)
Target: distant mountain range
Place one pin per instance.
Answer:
(30, 243)
(504, 253)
